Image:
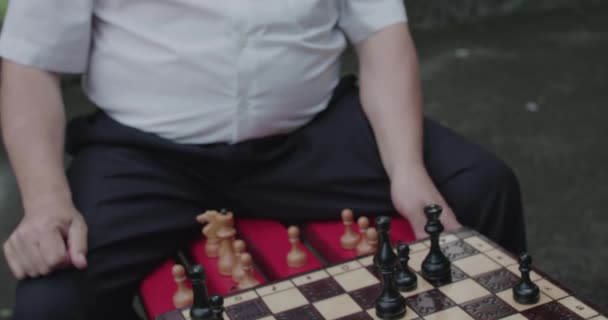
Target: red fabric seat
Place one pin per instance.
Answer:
(268, 243)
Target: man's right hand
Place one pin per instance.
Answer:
(52, 233)
(49, 237)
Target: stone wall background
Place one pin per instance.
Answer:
(433, 13)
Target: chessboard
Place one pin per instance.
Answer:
(481, 288)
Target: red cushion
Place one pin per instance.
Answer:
(324, 236)
(268, 243)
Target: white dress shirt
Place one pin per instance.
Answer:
(197, 71)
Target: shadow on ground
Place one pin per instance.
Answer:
(531, 89)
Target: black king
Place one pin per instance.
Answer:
(435, 267)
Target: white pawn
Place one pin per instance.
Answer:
(363, 247)
(248, 280)
(350, 238)
(372, 239)
(183, 296)
(296, 258)
(237, 271)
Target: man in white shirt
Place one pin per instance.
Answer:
(206, 104)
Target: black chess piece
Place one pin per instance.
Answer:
(217, 307)
(405, 279)
(201, 307)
(436, 267)
(526, 291)
(390, 304)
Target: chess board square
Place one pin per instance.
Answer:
(551, 289)
(500, 257)
(367, 261)
(479, 244)
(507, 296)
(457, 250)
(578, 307)
(321, 289)
(551, 310)
(366, 297)
(251, 309)
(416, 259)
(285, 300)
(275, 287)
(310, 277)
(465, 233)
(464, 290)
(443, 239)
(429, 302)
(337, 307)
(304, 312)
(497, 280)
(409, 314)
(344, 267)
(457, 274)
(516, 316)
(488, 308)
(449, 314)
(476, 265)
(515, 269)
(185, 314)
(599, 318)
(374, 271)
(357, 316)
(356, 279)
(422, 286)
(241, 297)
(419, 246)
(268, 318)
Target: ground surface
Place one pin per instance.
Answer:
(531, 89)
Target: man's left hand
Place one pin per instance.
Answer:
(411, 193)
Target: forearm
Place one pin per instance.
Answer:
(32, 123)
(391, 99)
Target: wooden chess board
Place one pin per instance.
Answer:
(483, 275)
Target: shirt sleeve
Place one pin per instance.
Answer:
(360, 18)
(52, 35)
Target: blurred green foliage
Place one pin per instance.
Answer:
(3, 4)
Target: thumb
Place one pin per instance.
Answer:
(77, 243)
(417, 225)
(419, 231)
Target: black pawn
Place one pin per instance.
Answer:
(201, 307)
(390, 303)
(217, 307)
(526, 291)
(405, 279)
(436, 267)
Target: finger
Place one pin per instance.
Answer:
(449, 220)
(77, 243)
(31, 249)
(13, 262)
(53, 249)
(20, 252)
(417, 226)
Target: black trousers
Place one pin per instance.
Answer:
(139, 195)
